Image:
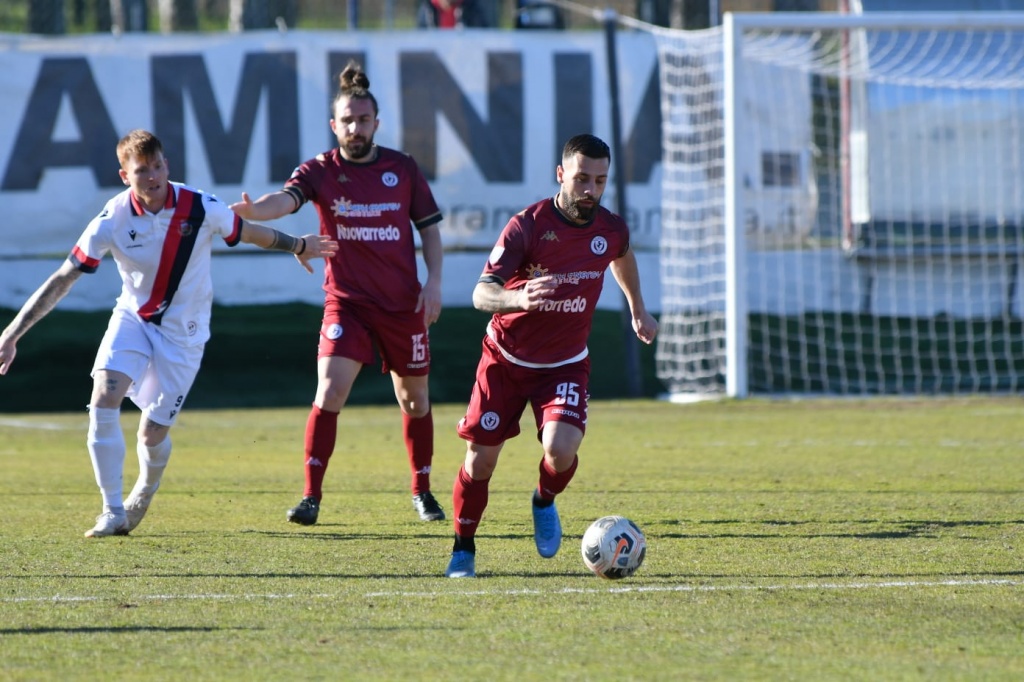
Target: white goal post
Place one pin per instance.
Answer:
(843, 205)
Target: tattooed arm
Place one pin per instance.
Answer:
(36, 308)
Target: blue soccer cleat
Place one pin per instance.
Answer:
(547, 530)
(462, 565)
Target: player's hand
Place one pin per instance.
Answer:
(317, 246)
(244, 209)
(536, 292)
(7, 353)
(429, 302)
(646, 327)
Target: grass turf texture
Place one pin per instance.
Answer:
(825, 540)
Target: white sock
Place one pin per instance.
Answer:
(106, 449)
(152, 462)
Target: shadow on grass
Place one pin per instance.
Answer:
(888, 530)
(112, 629)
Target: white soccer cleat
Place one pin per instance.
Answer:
(136, 506)
(107, 524)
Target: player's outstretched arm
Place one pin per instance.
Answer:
(627, 275)
(267, 207)
(304, 248)
(39, 304)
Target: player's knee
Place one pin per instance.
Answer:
(331, 398)
(560, 458)
(481, 461)
(415, 408)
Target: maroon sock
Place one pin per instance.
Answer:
(553, 482)
(418, 433)
(469, 499)
(321, 432)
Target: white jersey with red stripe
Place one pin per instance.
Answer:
(163, 258)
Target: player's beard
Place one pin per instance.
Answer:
(573, 208)
(358, 148)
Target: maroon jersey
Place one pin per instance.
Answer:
(541, 241)
(370, 208)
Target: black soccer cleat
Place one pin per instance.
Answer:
(305, 512)
(427, 507)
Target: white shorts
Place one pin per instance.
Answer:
(162, 372)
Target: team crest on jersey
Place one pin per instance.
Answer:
(599, 245)
(185, 228)
(389, 179)
(535, 271)
(489, 421)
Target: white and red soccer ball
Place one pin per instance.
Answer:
(613, 547)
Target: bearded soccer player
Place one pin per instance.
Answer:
(370, 198)
(161, 235)
(542, 282)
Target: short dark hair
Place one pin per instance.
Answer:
(355, 84)
(138, 142)
(588, 145)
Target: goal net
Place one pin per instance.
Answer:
(843, 204)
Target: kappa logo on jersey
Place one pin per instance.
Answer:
(490, 420)
(599, 245)
(334, 331)
(389, 179)
(342, 178)
(550, 236)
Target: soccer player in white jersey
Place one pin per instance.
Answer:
(542, 282)
(371, 199)
(160, 234)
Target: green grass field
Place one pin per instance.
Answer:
(817, 540)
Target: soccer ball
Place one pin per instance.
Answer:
(614, 547)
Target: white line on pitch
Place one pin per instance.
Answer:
(40, 425)
(892, 584)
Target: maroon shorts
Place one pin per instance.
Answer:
(503, 389)
(351, 331)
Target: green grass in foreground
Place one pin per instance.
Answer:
(820, 540)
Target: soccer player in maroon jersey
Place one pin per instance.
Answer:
(370, 198)
(161, 235)
(542, 281)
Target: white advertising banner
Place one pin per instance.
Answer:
(484, 113)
